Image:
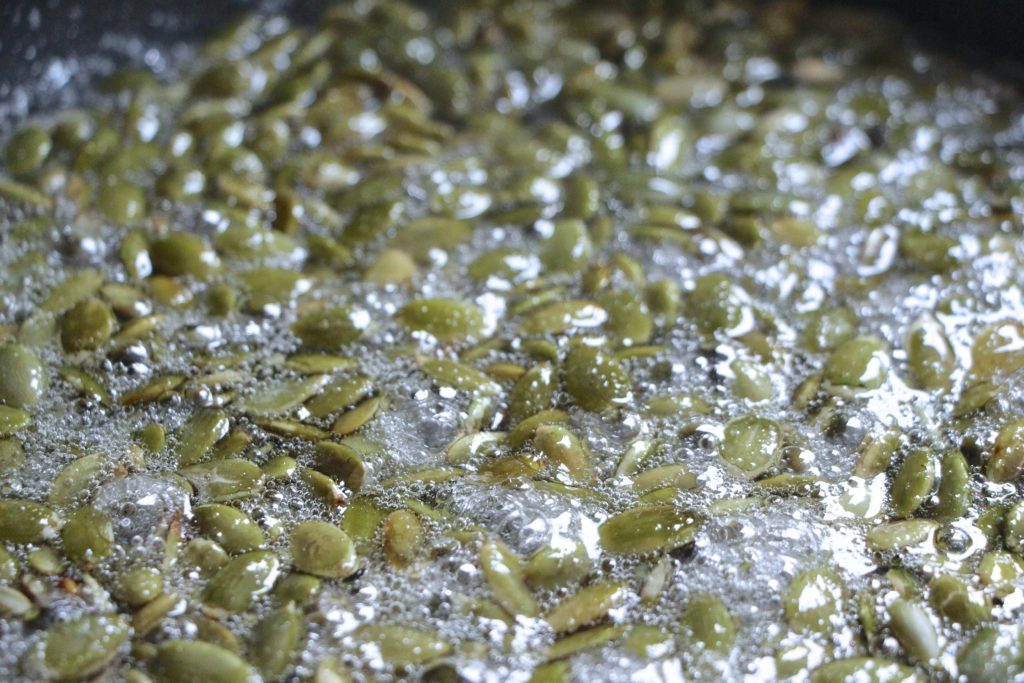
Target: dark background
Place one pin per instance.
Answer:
(988, 32)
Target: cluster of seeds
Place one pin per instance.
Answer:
(528, 341)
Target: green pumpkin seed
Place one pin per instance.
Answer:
(233, 529)
(402, 645)
(12, 419)
(584, 640)
(193, 661)
(14, 604)
(674, 476)
(316, 364)
(864, 670)
(24, 380)
(206, 555)
(88, 536)
(814, 600)
(900, 535)
(595, 380)
(297, 588)
(564, 449)
(332, 328)
(87, 386)
(929, 354)
(354, 419)
(1006, 464)
(198, 435)
(954, 493)
(87, 326)
(562, 316)
(156, 389)
(23, 521)
(82, 647)
(27, 149)
(138, 585)
(77, 287)
(342, 463)
(76, 480)
(752, 445)
(958, 602)
(122, 203)
(913, 482)
(446, 320)
(559, 565)
(629, 319)
(339, 395)
(503, 572)
(861, 363)
(275, 640)
(393, 267)
(282, 397)
(876, 453)
(242, 580)
(323, 550)
(992, 655)
(587, 606)
(827, 328)
(463, 377)
(402, 537)
(914, 630)
(716, 303)
(322, 487)
(567, 248)
(708, 619)
(225, 480)
(649, 528)
(998, 349)
(1013, 528)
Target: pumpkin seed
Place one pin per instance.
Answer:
(24, 380)
(460, 376)
(564, 449)
(282, 397)
(323, 550)
(22, 521)
(1006, 464)
(708, 619)
(274, 641)
(87, 326)
(864, 669)
(557, 565)
(233, 529)
(562, 316)
(198, 435)
(342, 463)
(503, 572)
(902, 534)
(241, 580)
(193, 661)
(861, 363)
(446, 320)
(958, 602)
(814, 600)
(587, 606)
(82, 647)
(332, 328)
(225, 480)
(584, 640)
(402, 537)
(403, 645)
(752, 445)
(649, 528)
(595, 380)
(913, 482)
